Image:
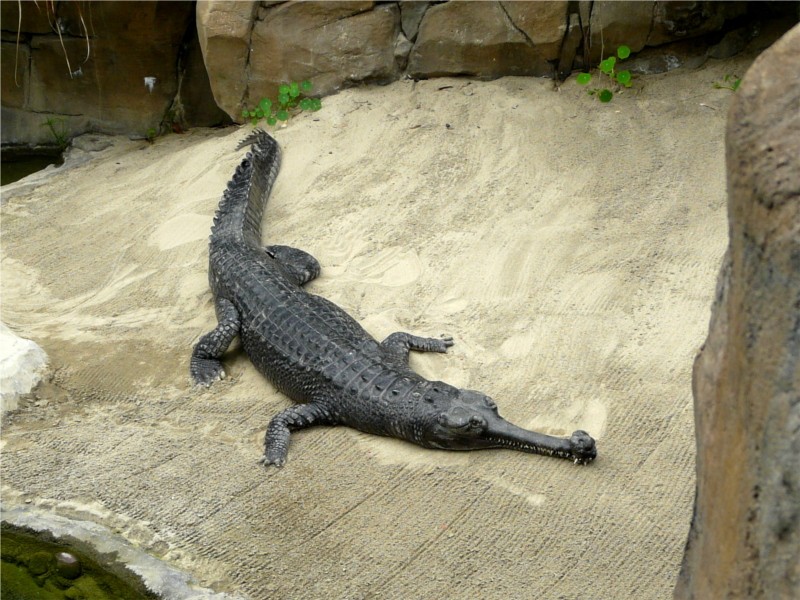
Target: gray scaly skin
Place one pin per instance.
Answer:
(319, 356)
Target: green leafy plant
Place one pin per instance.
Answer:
(609, 68)
(729, 82)
(59, 131)
(292, 99)
(151, 135)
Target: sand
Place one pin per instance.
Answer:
(569, 247)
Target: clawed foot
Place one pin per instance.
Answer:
(440, 344)
(205, 371)
(268, 460)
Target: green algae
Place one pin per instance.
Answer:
(33, 568)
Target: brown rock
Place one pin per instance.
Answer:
(677, 20)
(402, 48)
(411, 14)
(687, 54)
(251, 48)
(16, 76)
(480, 39)
(615, 23)
(745, 535)
(34, 18)
(333, 44)
(195, 98)
(224, 30)
(569, 48)
(109, 87)
(544, 23)
(101, 86)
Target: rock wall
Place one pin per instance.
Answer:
(745, 536)
(162, 65)
(116, 67)
(252, 47)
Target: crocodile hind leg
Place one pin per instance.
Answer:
(300, 416)
(400, 344)
(299, 265)
(205, 366)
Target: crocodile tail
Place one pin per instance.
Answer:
(243, 202)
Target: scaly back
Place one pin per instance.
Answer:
(242, 206)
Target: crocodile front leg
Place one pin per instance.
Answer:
(400, 344)
(298, 264)
(300, 416)
(205, 366)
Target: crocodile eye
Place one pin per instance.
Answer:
(489, 402)
(475, 421)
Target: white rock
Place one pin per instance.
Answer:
(22, 365)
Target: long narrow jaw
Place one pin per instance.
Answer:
(470, 421)
(579, 447)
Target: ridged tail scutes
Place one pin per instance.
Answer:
(243, 202)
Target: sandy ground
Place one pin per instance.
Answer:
(571, 248)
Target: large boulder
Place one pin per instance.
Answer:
(333, 44)
(640, 24)
(250, 50)
(678, 20)
(615, 23)
(224, 29)
(745, 536)
(489, 39)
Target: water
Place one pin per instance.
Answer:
(32, 568)
(15, 169)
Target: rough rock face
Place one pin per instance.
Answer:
(194, 105)
(251, 49)
(247, 48)
(615, 23)
(745, 536)
(411, 14)
(640, 24)
(22, 365)
(128, 42)
(489, 39)
(331, 43)
(680, 20)
(224, 29)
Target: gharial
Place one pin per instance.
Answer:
(319, 356)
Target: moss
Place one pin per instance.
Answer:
(31, 569)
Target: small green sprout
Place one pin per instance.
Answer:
(58, 129)
(291, 100)
(729, 82)
(608, 68)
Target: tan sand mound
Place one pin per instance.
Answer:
(569, 247)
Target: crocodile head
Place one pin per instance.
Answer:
(469, 420)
